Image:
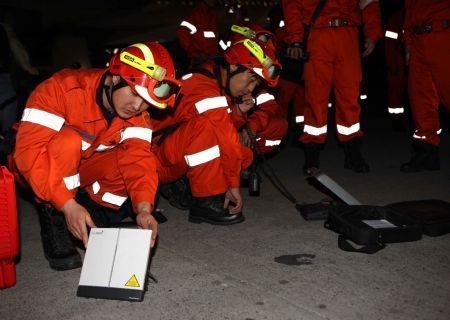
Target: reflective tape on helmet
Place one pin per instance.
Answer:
(271, 143)
(263, 98)
(190, 26)
(85, 145)
(113, 199)
(43, 118)
(315, 131)
(137, 133)
(102, 148)
(211, 103)
(209, 34)
(396, 110)
(201, 157)
(72, 182)
(391, 34)
(299, 119)
(348, 130)
(259, 72)
(95, 187)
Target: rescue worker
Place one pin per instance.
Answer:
(427, 40)
(334, 61)
(199, 139)
(261, 124)
(197, 34)
(86, 129)
(394, 51)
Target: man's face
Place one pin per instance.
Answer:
(127, 102)
(243, 83)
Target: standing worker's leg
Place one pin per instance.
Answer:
(346, 82)
(424, 99)
(318, 75)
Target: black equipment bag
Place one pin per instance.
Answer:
(433, 215)
(370, 226)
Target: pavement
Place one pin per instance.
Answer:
(275, 265)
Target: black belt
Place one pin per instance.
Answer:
(337, 22)
(430, 27)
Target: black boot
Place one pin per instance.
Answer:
(210, 210)
(353, 158)
(178, 193)
(312, 152)
(425, 157)
(59, 248)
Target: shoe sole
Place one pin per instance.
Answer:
(194, 219)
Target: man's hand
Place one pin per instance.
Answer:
(369, 45)
(245, 138)
(295, 52)
(233, 195)
(247, 103)
(77, 218)
(145, 220)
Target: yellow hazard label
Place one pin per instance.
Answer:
(133, 282)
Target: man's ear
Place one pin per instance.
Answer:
(115, 80)
(233, 67)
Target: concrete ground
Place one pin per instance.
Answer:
(213, 272)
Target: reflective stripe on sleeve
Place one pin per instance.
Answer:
(113, 199)
(201, 157)
(263, 98)
(190, 26)
(391, 34)
(102, 147)
(396, 110)
(186, 76)
(43, 118)
(348, 130)
(314, 131)
(138, 133)
(271, 143)
(85, 145)
(72, 182)
(211, 103)
(299, 119)
(223, 45)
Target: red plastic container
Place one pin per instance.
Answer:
(9, 232)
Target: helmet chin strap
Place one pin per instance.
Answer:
(230, 74)
(109, 90)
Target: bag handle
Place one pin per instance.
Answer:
(345, 245)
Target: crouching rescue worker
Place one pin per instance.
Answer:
(85, 131)
(200, 139)
(258, 118)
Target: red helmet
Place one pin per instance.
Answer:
(257, 57)
(148, 69)
(252, 31)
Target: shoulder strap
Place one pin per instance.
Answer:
(316, 12)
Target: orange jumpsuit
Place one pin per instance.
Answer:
(64, 142)
(335, 60)
(427, 34)
(395, 62)
(198, 33)
(206, 145)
